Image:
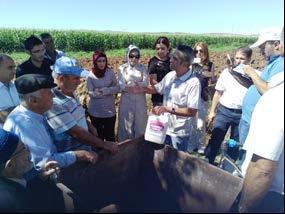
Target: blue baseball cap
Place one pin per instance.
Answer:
(67, 66)
(8, 145)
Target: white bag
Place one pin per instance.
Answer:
(156, 128)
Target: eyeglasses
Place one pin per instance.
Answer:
(134, 56)
(196, 51)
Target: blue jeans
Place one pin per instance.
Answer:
(225, 118)
(243, 130)
(180, 143)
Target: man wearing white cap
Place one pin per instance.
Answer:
(263, 186)
(269, 44)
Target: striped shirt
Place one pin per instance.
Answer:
(65, 114)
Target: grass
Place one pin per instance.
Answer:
(19, 57)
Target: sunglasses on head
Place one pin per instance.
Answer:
(134, 56)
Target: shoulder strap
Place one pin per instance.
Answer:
(245, 82)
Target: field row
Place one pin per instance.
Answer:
(11, 40)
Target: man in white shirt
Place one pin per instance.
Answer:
(181, 90)
(227, 101)
(8, 92)
(263, 167)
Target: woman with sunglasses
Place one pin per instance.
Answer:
(205, 71)
(133, 108)
(159, 66)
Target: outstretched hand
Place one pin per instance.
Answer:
(158, 110)
(50, 168)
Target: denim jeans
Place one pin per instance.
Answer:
(243, 130)
(180, 143)
(225, 118)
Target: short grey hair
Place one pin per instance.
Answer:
(25, 98)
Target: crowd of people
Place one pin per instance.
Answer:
(44, 128)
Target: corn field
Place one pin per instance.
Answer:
(11, 40)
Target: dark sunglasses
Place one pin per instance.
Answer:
(196, 51)
(134, 56)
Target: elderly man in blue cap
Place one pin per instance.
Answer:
(70, 129)
(18, 195)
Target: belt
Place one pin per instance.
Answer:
(236, 110)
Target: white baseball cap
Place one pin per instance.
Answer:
(269, 34)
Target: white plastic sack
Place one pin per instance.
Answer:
(156, 128)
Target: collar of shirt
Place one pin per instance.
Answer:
(185, 76)
(273, 58)
(2, 85)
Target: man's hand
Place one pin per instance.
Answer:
(249, 71)
(158, 110)
(50, 168)
(210, 118)
(111, 146)
(86, 156)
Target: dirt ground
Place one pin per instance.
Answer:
(219, 60)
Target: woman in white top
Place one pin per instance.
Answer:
(133, 108)
(102, 85)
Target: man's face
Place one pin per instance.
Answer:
(174, 61)
(37, 53)
(70, 83)
(7, 70)
(241, 58)
(20, 160)
(44, 102)
(267, 49)
(49, 44)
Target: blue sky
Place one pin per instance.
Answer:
(207, 16)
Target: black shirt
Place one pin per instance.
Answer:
(160, 68)
(28, 67)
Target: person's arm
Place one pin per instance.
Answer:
(121, 79)
(260, 84)
(92, 140)
(152, 71)
(184, 112)
(213, 77)
(257, 181)
(140, 89)
(92, 91)
(91, 128)
(215, 102)
(144, 80)
(113, 88)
